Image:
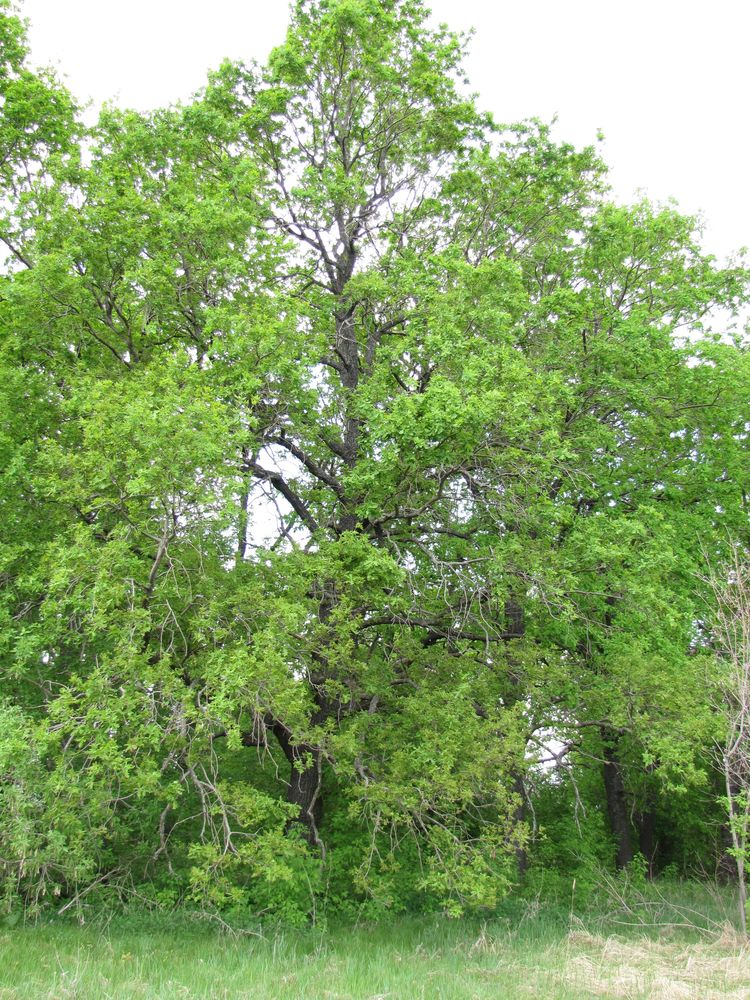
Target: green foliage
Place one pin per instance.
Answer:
(353, 449)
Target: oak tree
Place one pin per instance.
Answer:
(355, 443)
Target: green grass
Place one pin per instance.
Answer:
(650, 944)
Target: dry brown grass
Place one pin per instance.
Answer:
(711, 969)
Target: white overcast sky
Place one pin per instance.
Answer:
(667, 81)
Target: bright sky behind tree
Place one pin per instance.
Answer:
(666, 81)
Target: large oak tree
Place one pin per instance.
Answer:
(354, 443)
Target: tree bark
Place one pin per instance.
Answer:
(520, 816)
(304, 791)
(647, 843)
(516, 627)
(616, 801)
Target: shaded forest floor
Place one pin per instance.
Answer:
(672, 945)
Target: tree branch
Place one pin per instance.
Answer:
(280, 484)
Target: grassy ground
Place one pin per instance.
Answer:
(654, 947)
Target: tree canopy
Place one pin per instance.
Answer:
(359, 459)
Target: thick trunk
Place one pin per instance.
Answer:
(616, 802)
(647, 843)
(515, 626)
(304, 790)
(520, 816)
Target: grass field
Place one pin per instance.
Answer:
(655, 947)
